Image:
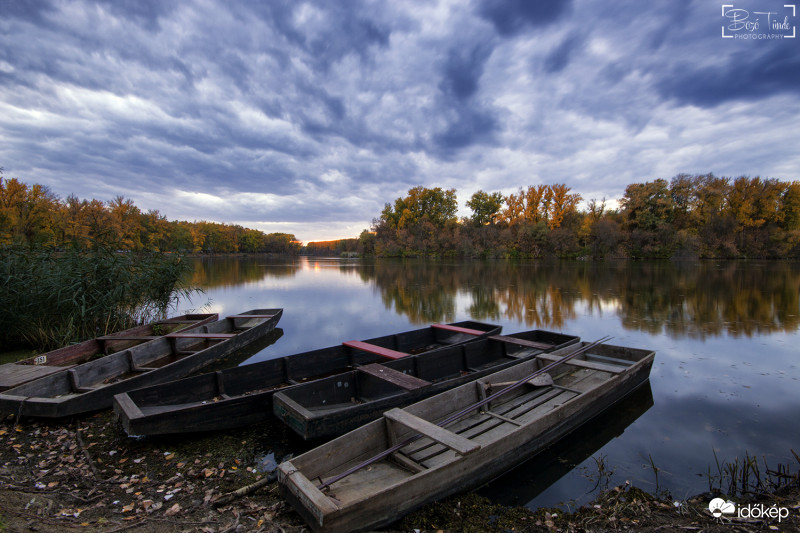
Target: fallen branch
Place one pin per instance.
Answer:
(247, 489)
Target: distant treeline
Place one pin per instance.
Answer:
(700, 216)
(34, 216)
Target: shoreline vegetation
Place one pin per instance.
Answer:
(86, 475)
(51, 299)
(687, 217)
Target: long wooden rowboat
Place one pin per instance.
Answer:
(375, 474)
(329, 407)
(240, 396)
(19, 372)
(92, 386)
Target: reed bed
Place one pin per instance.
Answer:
(50, 299)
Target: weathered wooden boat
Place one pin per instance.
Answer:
(19, 372)
(92, 385)
(240, 396)
(458, 439)
(331, 406)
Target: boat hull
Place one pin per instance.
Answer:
(241, 396)
(376, 496)
(59, 360)
(332, 406)
(92, 386)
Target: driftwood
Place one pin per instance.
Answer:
(247, 489)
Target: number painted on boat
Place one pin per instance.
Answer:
(40, 360)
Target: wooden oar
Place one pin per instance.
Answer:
(463, 412)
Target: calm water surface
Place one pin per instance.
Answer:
(725, 379)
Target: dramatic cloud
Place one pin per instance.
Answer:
(306, 117)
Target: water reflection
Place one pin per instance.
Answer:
(532, 483)
(726, 375)
(680, 299)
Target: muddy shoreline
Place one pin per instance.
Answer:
(85, 474)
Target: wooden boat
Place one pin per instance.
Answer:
(19, 372)
(241, 396)
(92, 385)
(458, 439)
(331, 406)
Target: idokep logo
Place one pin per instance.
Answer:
(719, 507)
(778, 23)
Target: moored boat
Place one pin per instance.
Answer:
(331, 406)
(458, 439)
(242, 395)
(19, 372)
(92, 385)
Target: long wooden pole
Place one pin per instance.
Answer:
(463, 412)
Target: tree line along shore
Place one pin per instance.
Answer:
(689, 216)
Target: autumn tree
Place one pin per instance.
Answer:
(515, 208)
(562, 204)
(435, 205)
(28, 215)
(126, 223)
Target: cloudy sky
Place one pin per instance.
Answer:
(306, 117)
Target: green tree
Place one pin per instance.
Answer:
(434, 205)
(790, 207)
(647, 206)
(485, 207)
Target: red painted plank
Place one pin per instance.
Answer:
(458, 329)
(200, 335)
(371, 348)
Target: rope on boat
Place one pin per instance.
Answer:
(463, 412)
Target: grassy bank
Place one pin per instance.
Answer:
(53, 298)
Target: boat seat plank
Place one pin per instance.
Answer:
(13, 374)
(200, 335)
(393, 376)
(250, 316)
(456, 442)
(522, 342)
(458, 329)
(128, 337)
(377, 350)
(407, 462)
(611, 360)
(614, 369)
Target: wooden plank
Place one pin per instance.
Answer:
(522, 342)
(250, 316)
(308, 490)
(131, 409)
(377, 350)
(200, 335)
(393, 376)
(458, 329)
(456, 442)
(128, 337)
(406, 462)
(614, 369)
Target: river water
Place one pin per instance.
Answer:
(725, 382)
